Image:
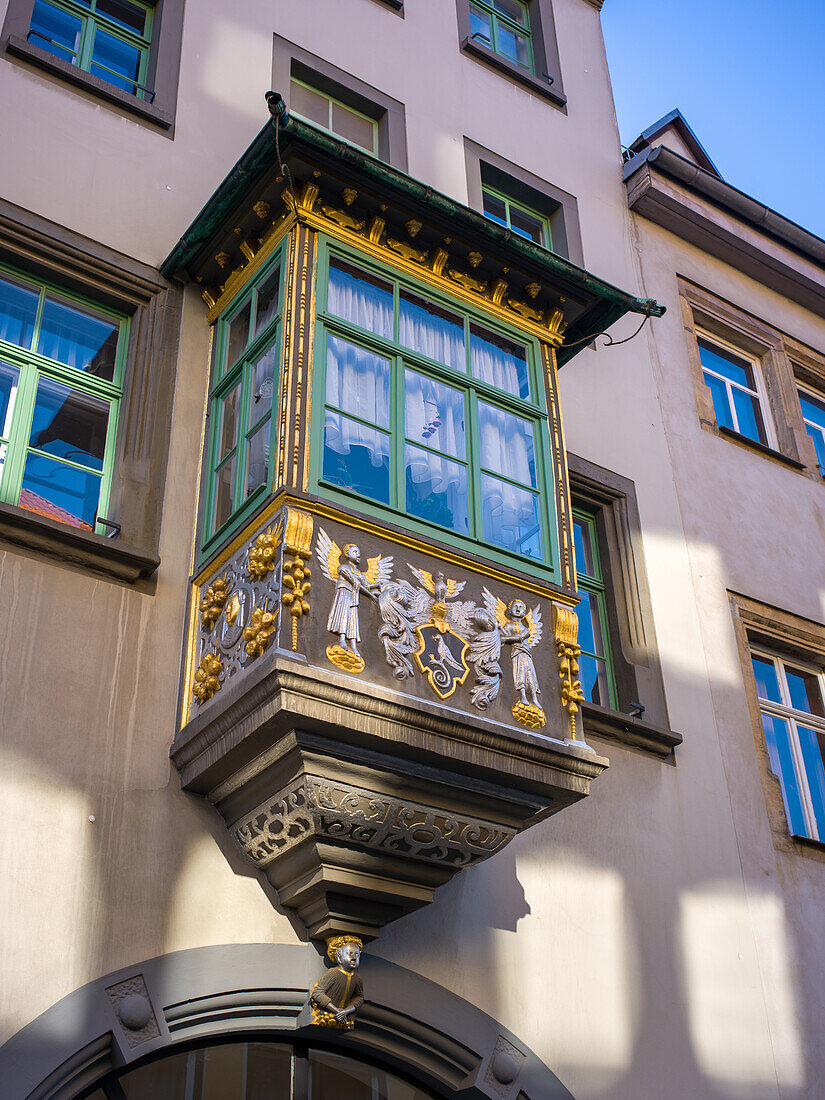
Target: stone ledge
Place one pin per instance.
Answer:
(601, 722)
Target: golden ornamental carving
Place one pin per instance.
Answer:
(556, 323)
(566, 628)
(467, 281)
(407, 250)
(248, 249)
(261, 558)
(376, 229)
(342, 218)
(207, 678)
(296, 570)
(212, 603)
(209, 297)
(525, 311)
(413, 227)
(349, 195)
(258, 633)
(533, 290)
(440, 257)
(233, 606)
(262, 209)
(343, 569)
(223, 259)
(474, 258)
(342, 658)
(498, 291)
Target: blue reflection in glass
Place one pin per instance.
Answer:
(77, 337)
(811, 745)
(60, 492)
(69, 424)
(356, 457)
(55, 31)
(18, 310)
(781, 758)
(767, 684)
(115, 61)
(721, 405)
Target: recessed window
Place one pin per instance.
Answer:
(793, 719)
(595, 670)
(244, 384)
(515, 216)
(813, 415)
(734, 385)
(504, 26)
(108, 38)
(61, 377)
(430, 413)
(333, 115)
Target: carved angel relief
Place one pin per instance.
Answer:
(349, 582)
(424, 626)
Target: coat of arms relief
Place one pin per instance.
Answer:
(425, 627)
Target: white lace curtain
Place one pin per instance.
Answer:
(358, 383)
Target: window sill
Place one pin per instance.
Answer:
(755, 445)
(601, 722)
(20, 47)
(532, 83)
(84, 548)
(808, 842)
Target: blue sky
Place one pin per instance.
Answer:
(749, 77)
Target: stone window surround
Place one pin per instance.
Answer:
(559, 207)
(289, 59)
(782, 360)
(162, 74)
(545, 51)
(790, 636)
(611, 499)
(31, 243)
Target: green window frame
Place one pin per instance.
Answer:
(245, 376)
(62, 361)
(110, 39)
(595, 661)
(341, 119)
(504, 25)
(516, 217)
(408, 444)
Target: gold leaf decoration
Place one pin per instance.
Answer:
(261, 558)
(296, 571)
(212, 602)
(258, 633)
(207, 678)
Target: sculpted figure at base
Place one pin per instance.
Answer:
(340, 993)
(343, 568)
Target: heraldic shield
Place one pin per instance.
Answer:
(441, 656)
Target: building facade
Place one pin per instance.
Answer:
(357, 588)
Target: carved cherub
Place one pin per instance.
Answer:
(522, 631)
(340, 993)
(349, 582)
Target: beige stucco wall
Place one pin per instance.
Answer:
(646, 942)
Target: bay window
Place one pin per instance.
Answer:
(431, 413)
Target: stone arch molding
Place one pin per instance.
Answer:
(408, 1022)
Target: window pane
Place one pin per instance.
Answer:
(494, 207)
(55, 31)
(257, 457)
(726, 364)
(310, 104)
(814, 413)
(238, 336)
(358, 381)
(69, 424)
(224, 482)
(436, 489)
(528, 225)
(819, 443)
(584, 548)
(121, 11)
(432, 331)
(333, 1077)
(262, 382)
(515, 47)
(268, 295)
(358, 297)
(513, 10)
(767, 684)
(229, 421)
(112, 56)
(480, 26)
(591, 638)
(781, 758)
(803, 688)
(811, 743)
(76, 336)
(593, 678)
(721, 405)
(506, 444)
(60, 492)
(9, 377)
(511, 517)
(498, 362)
(347, 124)
(749, 415)
(356, 457)
(434, 414)
(18, 309)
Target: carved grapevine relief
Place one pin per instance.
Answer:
(425, 627)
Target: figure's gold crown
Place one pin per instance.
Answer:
(338, 941)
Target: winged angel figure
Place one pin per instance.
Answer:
(343, 569)
(520, 629)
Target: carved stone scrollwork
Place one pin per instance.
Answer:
(315, 806)
(566, 628)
